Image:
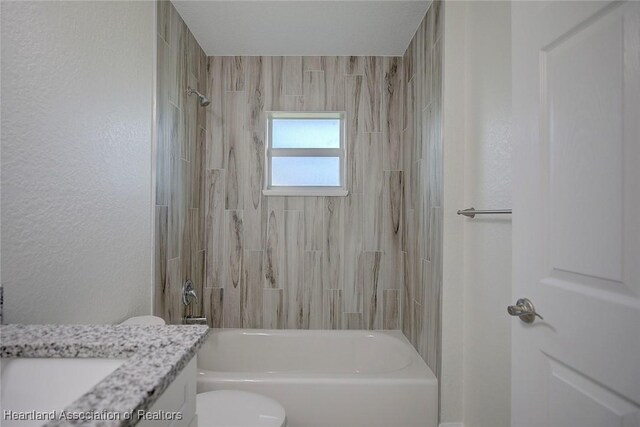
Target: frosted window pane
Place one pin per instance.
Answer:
(305, 171)
(305, 133)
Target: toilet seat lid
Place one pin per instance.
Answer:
(234, 408)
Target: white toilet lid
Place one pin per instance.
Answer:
(233, 408)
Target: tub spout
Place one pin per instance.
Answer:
(195, 320)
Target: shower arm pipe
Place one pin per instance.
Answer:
(472, 212)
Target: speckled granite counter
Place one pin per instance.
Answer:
(155, 356)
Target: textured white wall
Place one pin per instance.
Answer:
(477, 252)
(453, 199)
(77, 91)
(487, 240)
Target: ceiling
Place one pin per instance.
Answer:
(303, 27)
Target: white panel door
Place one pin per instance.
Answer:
(576, 204)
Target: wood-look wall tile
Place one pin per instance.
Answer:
(197, 276)
(354, 144)
(408, 141)
(409, 168)
(190, 262)
(160, 278)
(424, 277)
(273, 309)
(422, 208)
(233, 73)
(312, 63)
(354, 167)
(435, 154)
(354, 65)
(173, 306)
(421, 47)
(436, 10)
(425, 119)
(313, 290)
(436, 76)
(233, 240)
(251, 290)
(352, 285)
(294, 268)
(333, 242)
(352, 321)
(197, 168)
(435, 234)
(202, 210)
(177, 209)
(431, 319)
(273, 85)
(178, 59)
(313, 223)
(427, 72)
(371, 100)
(163, 125)
(214, 227)
(213, 306)
(294, 203)
(255, 214)
(203, 81)
(255, 93)
(313, 90)
(419, 340)
(193, 56)
(392, 229)
(186, 184)
(353, 88)
(216, 151)
(292, 75)
(422, 164)
(293, 103)
(235, 142)
(164, 19)
(392, 123)
(408, 69)
(391, 312)
(372, 155)
(332, 309)
(274, 244)
(408, 296)
(186, 248)
(333, 67)
(373, 284)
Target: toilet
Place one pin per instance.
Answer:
(229, 408)
(144, 320)
(234, 408)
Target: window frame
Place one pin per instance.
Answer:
(271, 152)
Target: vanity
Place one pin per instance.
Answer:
(108, 375)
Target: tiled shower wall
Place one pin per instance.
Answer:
(304, 262)
(371, 260)
(179, 211)
(422, 145)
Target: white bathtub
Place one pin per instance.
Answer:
(325, 378)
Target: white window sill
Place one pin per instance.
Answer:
(302, 192)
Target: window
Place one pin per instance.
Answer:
(305, 154)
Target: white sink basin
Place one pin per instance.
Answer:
(48, 384)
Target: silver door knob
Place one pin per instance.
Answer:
(525, 310)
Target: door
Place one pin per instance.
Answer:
(576, 204)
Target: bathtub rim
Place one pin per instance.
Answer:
(417, 371)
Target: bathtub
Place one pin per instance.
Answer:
(325, 378)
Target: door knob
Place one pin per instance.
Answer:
(525, 310)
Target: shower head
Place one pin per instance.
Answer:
(204, 101)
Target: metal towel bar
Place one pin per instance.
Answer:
(472, 212)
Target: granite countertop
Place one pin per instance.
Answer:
(155, 356)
